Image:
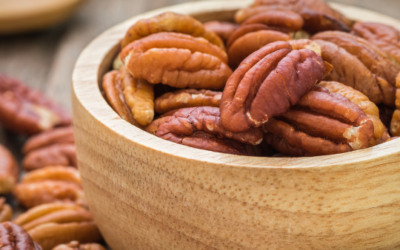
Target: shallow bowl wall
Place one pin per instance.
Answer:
(148, 193)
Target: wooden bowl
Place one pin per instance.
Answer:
(17, 16)
(148, 193)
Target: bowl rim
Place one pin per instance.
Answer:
(88, 71)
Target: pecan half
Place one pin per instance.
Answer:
(48, 138)
(318, 15)
(350, 71)
(187, 98)
(372, 57)
(14, 237)
(251, 42)
(59, 223)
(8, 171)
(222, 29)
(49, 184)
(368, 107)
(5, 210)
(322, 123)
(267, 84)
(177, 60)
(25, 111)
(63, 154)
(395, 123)
(74, 245)
(386, 37)
(170, 22)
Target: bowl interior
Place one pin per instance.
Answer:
(101, 52)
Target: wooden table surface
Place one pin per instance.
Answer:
(45, 60)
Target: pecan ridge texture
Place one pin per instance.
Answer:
(14, 237)
(8, 171)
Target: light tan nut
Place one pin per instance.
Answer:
(8, 171)
(5, 211)
(59, 223)
(48, 185)
(187, 98)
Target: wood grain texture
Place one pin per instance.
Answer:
(148, 193)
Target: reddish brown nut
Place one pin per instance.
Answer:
(285, 21)
(368, 107)
(5, 211)
(74, 245)
(170, 22)
(48, 138)
(350, 71)
(8, 171)
(25, 111)
(372, 57)
(222, 29)
(50, 184)
(322, 123)
(385, 37)
(187, 98)
(207, 119)
(251, 42)
(58, 154)
(267, 84)
(14, 237)
(59, 223)
(177, 60)
(318, 15)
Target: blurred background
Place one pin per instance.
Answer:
(44, 60)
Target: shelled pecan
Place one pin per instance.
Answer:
(25, 111)
(50, 184)
(74, 245)
(54, 147)
(187, 98)
(322, 123)
(8, 171)
(170, 22)
(368, 107)
(59, 223)
(222, 29)
(267, 84)
(177, 60)
(383, 70)
(14, 237)
(201, 127)
(318, 15)
(6, 211)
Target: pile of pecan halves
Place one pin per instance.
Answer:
(57, 216)
(288, 78)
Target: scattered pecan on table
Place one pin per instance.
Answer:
(8, 171)
(74, 245)
(50, 184)
(54, 147)
(14, 237)
(59, 223)
(170, 22)
(25, 111)
(268, 83)
(6, 211)
(321, 123)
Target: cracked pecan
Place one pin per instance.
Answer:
(74, 245)
(132, 99)
(8, 171)
(386, 37)
(201, 127)
(170, 22)
(222, 29)
(318, 15)
(14, 237)
(383, 70)
(187, 98)
(368, 107)
(267, 84)
(177, 60)
(25, 111)
(50, 184)
(59, 223)
(5, 210)
(322, 123)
